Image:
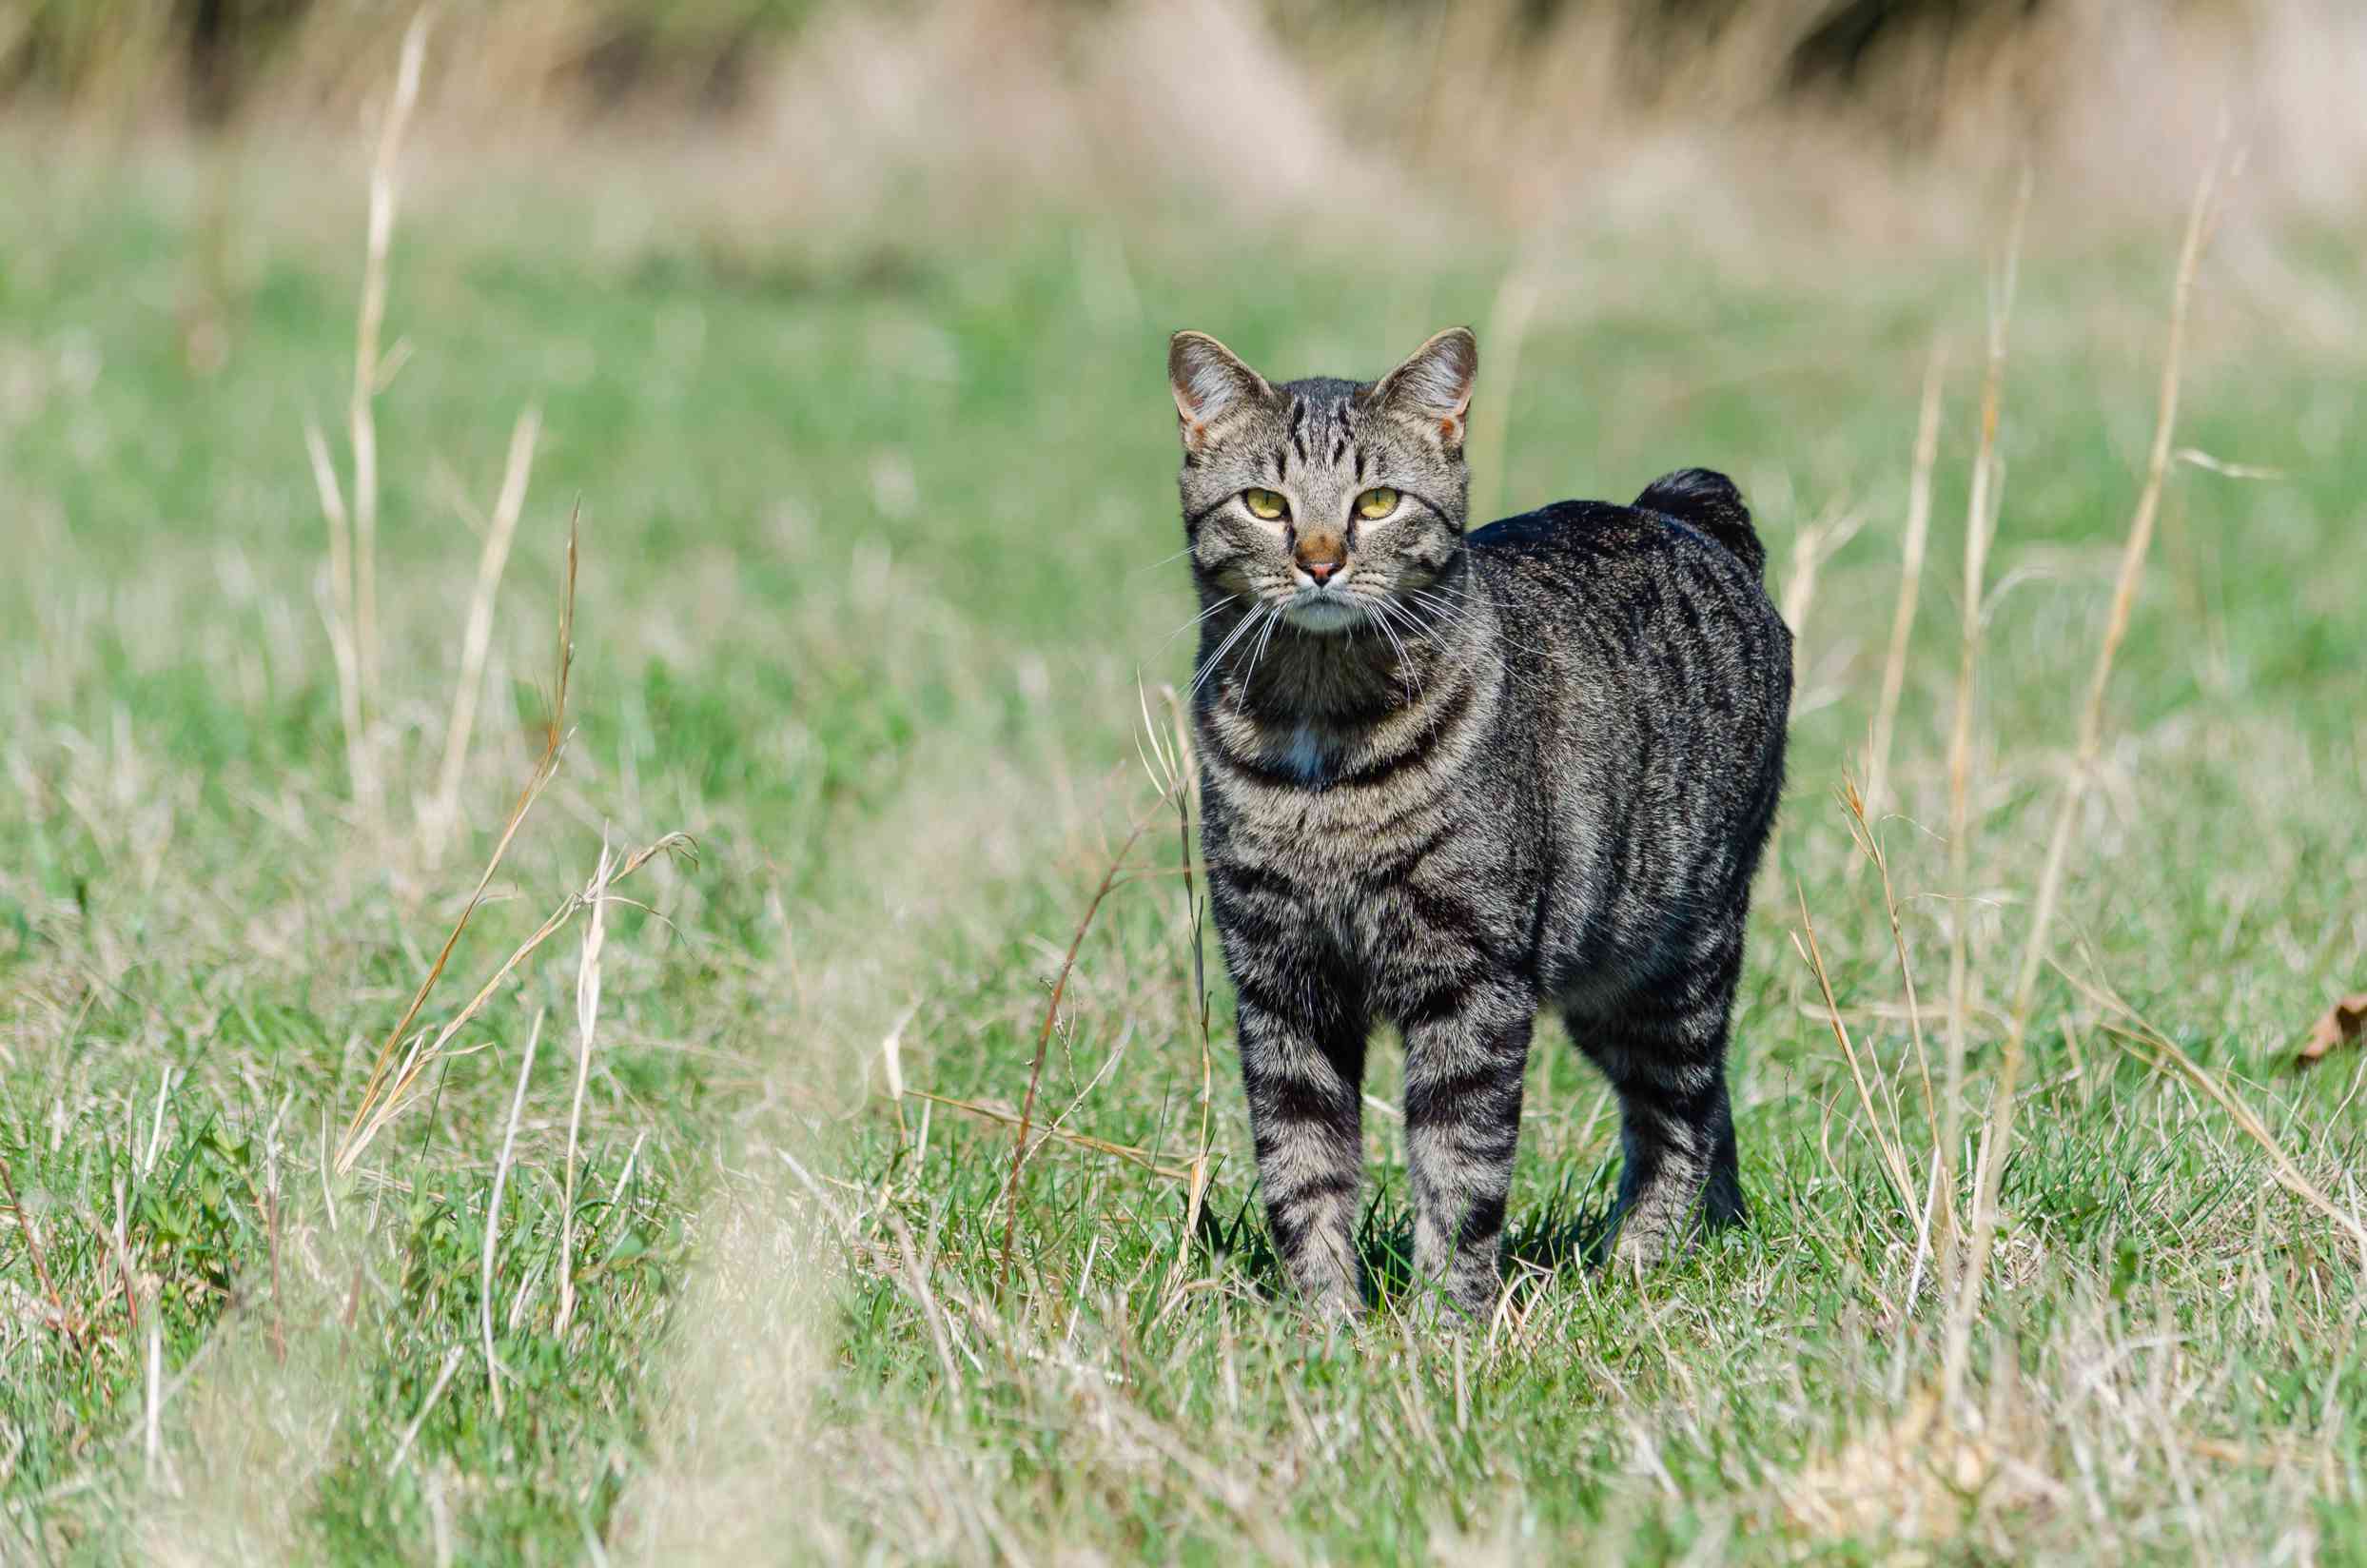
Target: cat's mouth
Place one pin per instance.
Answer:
(1321, 609)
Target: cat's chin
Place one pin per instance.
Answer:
(1323, 613)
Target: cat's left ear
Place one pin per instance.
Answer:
(1433, 387)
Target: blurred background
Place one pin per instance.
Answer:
(1529, 112)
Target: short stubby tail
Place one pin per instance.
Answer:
(1709, 501)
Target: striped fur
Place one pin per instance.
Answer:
(1465, 780)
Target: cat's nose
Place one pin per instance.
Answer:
(1322, 571)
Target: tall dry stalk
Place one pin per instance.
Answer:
(1980, 509)
(1996, 1140)
(368, 364)
(444, 807)
(1910, 580)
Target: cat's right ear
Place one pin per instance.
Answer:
(1210, 382)
(1432, 386)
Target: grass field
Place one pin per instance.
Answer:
(871, 564)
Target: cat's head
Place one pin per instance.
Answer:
(1316, 497)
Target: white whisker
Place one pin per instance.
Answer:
(1442, 613)
(1235, 636)
(1156, 564)
(1258, 652)
(1378, 610)
(1194, 621)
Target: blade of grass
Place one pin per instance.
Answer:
(1127, 1152)
(33, 1250)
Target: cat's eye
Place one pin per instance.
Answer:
(1376, 504)
(1265, 506)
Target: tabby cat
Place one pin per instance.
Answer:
(1448, 779)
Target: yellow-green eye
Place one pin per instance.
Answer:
(1376, 504)
(1265, 504)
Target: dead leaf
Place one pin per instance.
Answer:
(2341, 1025)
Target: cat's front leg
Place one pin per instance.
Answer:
(1465, 1049)
(1302, 1061)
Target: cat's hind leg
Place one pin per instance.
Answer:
(1664, 1051)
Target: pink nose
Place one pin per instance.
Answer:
(1320, 571)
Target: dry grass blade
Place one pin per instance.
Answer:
(1184, 774)
(1127, 1152)
(492, 1212)
(1910, 579)
(1980, 511)
(444, 808)
(1998, 1139)
(1044, 1036)
(369, 325)
(2133, 552)
(915, 1278)
(374, 1096)
(587, 1021)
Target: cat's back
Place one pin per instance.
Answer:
(1657, 674)
(1679, 570)
(1655, 666)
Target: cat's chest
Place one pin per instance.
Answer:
(1306, 754)
(1293, 756)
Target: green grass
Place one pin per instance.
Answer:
(871, 561)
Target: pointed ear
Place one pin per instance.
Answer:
(1432, 386)
(1210, 383)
